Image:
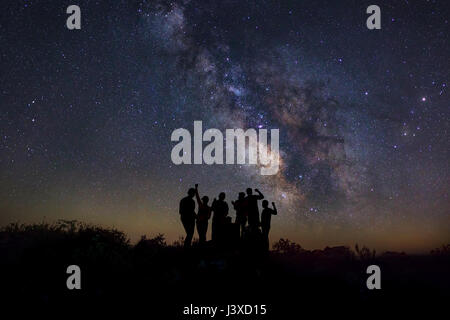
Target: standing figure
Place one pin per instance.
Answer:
(204, 213)
(253, 211)
(220, 208)
(187, 215)
(266, 216)
(240, 205)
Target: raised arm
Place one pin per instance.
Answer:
(274, 208)
(260, 196)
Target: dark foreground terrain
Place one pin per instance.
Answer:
(160, 279)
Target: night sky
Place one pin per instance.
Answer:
(87, 115)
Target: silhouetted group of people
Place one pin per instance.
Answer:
(246, 207)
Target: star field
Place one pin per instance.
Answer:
(86, 115)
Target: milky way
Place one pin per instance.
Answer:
(363, 114)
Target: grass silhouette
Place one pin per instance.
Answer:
(34, 259)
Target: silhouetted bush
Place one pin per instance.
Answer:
(365, 254)
(35, 257)
(285, 246)
(442, 251)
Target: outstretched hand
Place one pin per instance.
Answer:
(196, 186)
(256, 190)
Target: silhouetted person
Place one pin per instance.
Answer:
(266, 216)
(220, 208)
(252, 207)
(187, 215)
(240, 205)
(204, 213)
